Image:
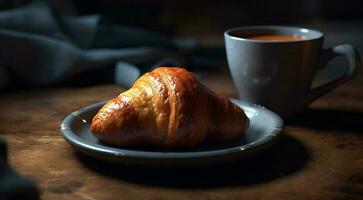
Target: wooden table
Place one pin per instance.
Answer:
(319, 156)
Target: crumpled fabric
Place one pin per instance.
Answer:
(39, 47)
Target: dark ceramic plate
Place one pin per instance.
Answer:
(264, 129)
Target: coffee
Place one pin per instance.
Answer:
(275, 65)
(276, 37)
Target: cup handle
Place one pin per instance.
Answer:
(327, 55)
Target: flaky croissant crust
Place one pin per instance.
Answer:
(168, 107)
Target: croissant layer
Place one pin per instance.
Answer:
(168, 107)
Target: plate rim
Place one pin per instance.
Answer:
(86, 145)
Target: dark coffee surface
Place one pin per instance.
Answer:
(277, 37)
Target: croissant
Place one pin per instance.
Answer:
(168, 107)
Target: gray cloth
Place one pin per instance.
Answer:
(12, 185)
(39, 47)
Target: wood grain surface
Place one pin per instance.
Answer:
(319, 156)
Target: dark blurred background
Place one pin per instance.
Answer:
(206, 20)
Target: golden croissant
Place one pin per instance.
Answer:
(168, 107)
